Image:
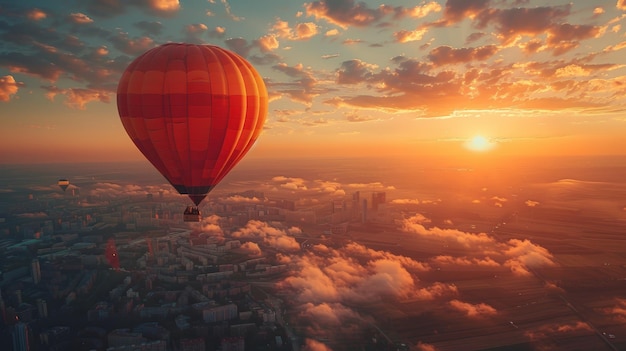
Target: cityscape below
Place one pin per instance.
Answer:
(317, 254)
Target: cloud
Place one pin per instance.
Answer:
(8, 87)
(344, 13)
(405, 36)
(314, 345)
(36, 14)
(304, 86)
(76, 97)
(465, 261)
(479, 240)
(268, 43)
(112, 190)
(269, 235)
(240, 199)
(525, 255)
(301, 31)
(111, 8)
(354, 71)
(326, 280)
(79, 18)
(405, 201)
(445, 55)
(473, 310)
(531, 203)
(621, 4)
(153, 28)
(194, 33)
(251, 248)
(354, 273)
(290, 183)
(520, 256)
(209, 225)
(549, 330)
(131, 46)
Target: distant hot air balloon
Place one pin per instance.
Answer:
(194, 111)
(63, 184)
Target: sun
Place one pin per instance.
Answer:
(479, 143)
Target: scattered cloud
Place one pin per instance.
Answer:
(8, 87)
(261, 231)
(473, 310)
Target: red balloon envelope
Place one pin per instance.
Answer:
(194, 111)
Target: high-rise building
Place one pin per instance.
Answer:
(364, 211)
(21, 339)
(377, 199)
(35, 270)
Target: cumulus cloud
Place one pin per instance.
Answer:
(405, 201)
(473, 310)
(468, 240)
(269, 235)
(524, 255)
(355, 273)
(326, 280)
(8, 87)
(209, 225)
(520, 256)
(251, 248)
(465, 261)
(235, 199)
(301, 31)
(290, 183)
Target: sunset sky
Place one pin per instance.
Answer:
(344, 77)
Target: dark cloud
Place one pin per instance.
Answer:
(445, 55)
(346, 12)
(150, 27)
(458, 10)
(111, 8)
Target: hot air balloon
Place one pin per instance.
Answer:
(63, 184)
(193, 111)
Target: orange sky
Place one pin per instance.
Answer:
(344, 78)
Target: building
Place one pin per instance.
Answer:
(35, 270)
(233, 344)
(21, 337)
(378, 198)
(220, 313)
(196, 344)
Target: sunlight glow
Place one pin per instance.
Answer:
(479, 143)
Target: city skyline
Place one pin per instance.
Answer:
(345, 78)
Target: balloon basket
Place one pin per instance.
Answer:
(192, 214)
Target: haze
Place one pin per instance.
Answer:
(523, 254)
